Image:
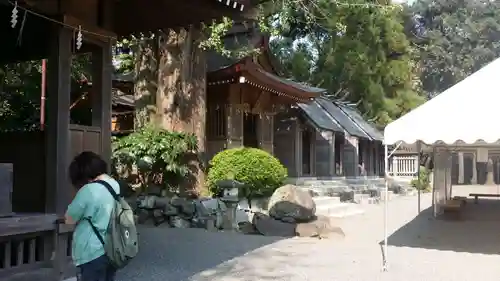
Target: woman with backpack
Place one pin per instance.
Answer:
(101, 218)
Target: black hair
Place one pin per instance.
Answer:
(85, 167)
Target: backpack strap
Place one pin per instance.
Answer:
(89, 219)
(96, 232)
(109, 188)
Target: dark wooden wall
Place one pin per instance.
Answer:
(323, 153)
(26, 151)
(285, 138)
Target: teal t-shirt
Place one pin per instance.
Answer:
(93, 201)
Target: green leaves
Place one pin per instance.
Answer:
(260, 171)
(461, 37)
(20, 91)
(357, 51)
(158, 154)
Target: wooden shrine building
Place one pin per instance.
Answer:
(243, 96)
(33, 246)
(325, 139)
(249, 104)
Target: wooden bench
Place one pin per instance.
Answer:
(453, 209)
(462, 199)
(486, 195)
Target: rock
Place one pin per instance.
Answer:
(125, 189)
(210, 225)
(155, 190)
(132, 202)
(268, 226)
(157, 213)
(170, 210)
(214, 204)
(219, 219)
(163, 204)
(200, 209)
(186, 207)
(347, 195)
(142, 216)
(322, 227)
(288, 220)
(179, 222)
(148, 201)
(293, 202)
(199, 222)
(361, 198)
(313, 193)
(246, 227)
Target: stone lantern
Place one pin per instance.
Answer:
(231, 198)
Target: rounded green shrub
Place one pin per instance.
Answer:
(423, 182)
(261, 172)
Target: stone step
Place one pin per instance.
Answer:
(340, 210)
(325, 191)
(326, 200)
(343, 182)
(323, 183)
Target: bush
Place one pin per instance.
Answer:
(261, 172)
(151, 156)
(423, 183)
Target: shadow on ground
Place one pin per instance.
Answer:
(477, 232)
(179, 254)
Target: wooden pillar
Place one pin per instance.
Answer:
(101, 96)
(57, 139)
(298, 148)
(351, 156)
(265, 133)
(369, 158)
(331, 142)
(341, 153)
(234, 118)
(474, 168)
(271, 131)
(395, 168)
(460, 167)
(374, 157)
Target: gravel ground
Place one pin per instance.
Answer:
(420, 249)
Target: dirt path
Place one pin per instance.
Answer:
(419, 251)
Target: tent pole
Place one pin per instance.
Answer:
(386, 202)
(419, 148)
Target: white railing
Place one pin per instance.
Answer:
(404, 166)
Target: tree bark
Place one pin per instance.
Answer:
(145, 86)
(181, 92)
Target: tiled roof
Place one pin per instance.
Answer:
(319, 117)
(368, 127)
(351, 127)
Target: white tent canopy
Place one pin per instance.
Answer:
(467, 112)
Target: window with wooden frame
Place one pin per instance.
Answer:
(216, 121)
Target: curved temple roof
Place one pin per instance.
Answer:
(249, 72)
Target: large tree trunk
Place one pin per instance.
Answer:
(145, 86)
(181, 93)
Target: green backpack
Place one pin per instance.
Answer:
(121, 242)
